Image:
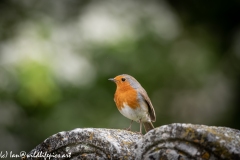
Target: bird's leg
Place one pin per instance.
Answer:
(129, 128)
(140, 121)
(140, 126)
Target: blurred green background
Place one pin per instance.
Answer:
(56, 57)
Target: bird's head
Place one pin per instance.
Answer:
(125, 80)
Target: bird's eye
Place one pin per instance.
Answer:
(123, 79)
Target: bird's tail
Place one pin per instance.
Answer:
(148, 126)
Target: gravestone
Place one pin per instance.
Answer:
(168, 142)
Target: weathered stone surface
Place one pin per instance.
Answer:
(187, 141)
(89, 143)
(168, 142)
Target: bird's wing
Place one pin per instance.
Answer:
(151, 111)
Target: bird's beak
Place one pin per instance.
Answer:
(112, 79)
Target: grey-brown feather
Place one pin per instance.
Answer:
(148, 126)
(150, 107)
(151, 110)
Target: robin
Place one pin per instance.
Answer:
(133, 102)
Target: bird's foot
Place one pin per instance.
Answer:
(128, 129)
(139, 133)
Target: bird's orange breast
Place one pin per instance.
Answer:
(126, 95)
